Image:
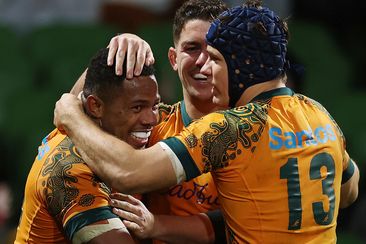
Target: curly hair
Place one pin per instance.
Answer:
(101, 79)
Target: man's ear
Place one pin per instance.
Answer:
(172, 55)
(93, 106)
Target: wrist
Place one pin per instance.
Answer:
(157, 227)
(73, 120)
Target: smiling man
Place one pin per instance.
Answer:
(267, 195)
(64, 201)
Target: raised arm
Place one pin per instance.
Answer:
(114, 161)
(138, 53)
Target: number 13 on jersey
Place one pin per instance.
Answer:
(290, 172)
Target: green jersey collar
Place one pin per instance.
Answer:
(283, 91)
(186, 119)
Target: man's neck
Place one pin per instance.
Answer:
(197, 108)
(257, 89)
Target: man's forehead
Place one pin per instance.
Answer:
(139, 80)
(194, 26)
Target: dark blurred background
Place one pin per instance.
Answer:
(46, 44)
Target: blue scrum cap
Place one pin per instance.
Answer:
(253, 41)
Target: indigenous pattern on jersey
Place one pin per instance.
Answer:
(62, 195)
(277, 164)
(192, 197)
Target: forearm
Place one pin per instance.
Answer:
(102, 152)
(114, 161)
(178, 229)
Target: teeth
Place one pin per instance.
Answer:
(199, 76)
(141, 134)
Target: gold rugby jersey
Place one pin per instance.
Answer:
(62, 195)
(198, 195)
(277, 164)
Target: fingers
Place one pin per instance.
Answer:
(149, 56)
(135, 215)
(127, 214)
(65, 107)
(136, 51)
(144, 57)
(127, 206)
(120, 55)
(118, 196)
(131, 59)
(113, 46)
(132, 226)
(55, 118)
(140, 59)
(127, 198)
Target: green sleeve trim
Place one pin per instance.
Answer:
(185, 158)
(218, 224)
(348, 172)
(86, 218)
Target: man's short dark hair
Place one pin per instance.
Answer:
(206, 10)
(101, 79)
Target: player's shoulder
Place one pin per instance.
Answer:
(309, 101)
(250, 111)
(166, 110)
(312, 102)
(64, 157)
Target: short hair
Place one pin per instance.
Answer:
(101, 79)
(206, 10)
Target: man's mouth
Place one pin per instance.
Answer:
(142, 135)
(200, 77)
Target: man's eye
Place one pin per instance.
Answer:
(155, 107)
(191, 49)
(214, 58)
(136, 109)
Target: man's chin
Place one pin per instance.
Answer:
(137, 143)
(138, 147)
(143, 147)
(202, 95)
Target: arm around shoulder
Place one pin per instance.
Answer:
(138, 171)
(122, 167)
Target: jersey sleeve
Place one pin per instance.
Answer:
(348, 168)
(347, 164)
(193, 146)
(78, 198)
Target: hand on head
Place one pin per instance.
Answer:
(137, 50)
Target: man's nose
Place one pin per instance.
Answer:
(150, 118)
(206, 68)
(201, 60)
